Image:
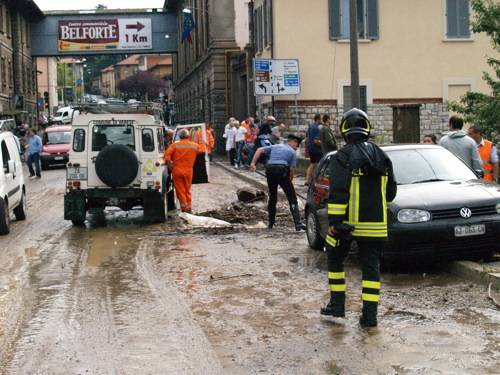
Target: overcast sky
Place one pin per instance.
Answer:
(90, 4)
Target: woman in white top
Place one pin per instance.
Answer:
(239, 139)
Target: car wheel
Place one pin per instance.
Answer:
(4, 217)
(313, 231)
(20, 211)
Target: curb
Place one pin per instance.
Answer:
(480, 273)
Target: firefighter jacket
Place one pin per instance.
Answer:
(361, 184)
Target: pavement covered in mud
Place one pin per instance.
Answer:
(125, 298)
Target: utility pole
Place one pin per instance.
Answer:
(353, 21)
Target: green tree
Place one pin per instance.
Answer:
(478, 108)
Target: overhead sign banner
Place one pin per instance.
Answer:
(276, 77)
(105, 34)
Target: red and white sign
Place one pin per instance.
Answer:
(105, 34)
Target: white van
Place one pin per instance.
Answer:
(12, 188)
(65, 115)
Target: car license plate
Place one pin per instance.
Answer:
(79, 173)
(57, 158)
(470, 230)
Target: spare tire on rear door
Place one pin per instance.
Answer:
(116, 165)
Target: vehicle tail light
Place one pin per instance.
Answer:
(76, 184)
(157, 185)
(157, 164)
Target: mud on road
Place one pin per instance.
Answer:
(168, 299)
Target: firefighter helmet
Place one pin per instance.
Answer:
(355, 121)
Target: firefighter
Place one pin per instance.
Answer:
(361, 184)
(180, 157)
(279, 172)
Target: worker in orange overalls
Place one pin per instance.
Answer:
(180, 157)
(488, 153)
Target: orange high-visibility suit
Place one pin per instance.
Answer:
(182, 156)
(198, 138)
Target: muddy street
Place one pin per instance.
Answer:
(126, 298)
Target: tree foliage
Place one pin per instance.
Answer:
(143, 86)
(478, 108)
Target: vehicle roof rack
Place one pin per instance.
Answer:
(149, 108)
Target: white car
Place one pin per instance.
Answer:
(117, 160)
(12, 188)
(7, 125)
(65, 115)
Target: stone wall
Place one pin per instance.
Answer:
(433, 117)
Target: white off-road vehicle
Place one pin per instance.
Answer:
(117, 160)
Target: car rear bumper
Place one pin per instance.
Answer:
(436, 239)
(54, 159)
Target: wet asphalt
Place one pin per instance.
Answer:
(128, 298)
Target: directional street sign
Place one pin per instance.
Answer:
(276, 77)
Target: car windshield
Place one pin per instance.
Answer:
(57, 138)
(428, 164)
(104, 135)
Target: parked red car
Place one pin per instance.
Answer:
(56, 142)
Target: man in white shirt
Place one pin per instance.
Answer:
(239, 140)
(229, 135)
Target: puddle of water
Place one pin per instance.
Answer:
(104, 244)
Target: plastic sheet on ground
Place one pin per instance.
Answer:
(203, 222)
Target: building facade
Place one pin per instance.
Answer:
(202, 67)
(18, 73)
(108, 85)
(414, 57)
(125, 69)
(47, 83)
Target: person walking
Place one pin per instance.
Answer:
(457, 142)
(180, 158)
(326, 136)
(229, 135)
(239, 140)
(361, 184)
(487, 152)
(34, 144)
(279, 172)
(313, 146)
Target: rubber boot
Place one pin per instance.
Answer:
(369, 316)
(294, 209)
(334, 308)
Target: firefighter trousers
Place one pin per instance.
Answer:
(369, 253)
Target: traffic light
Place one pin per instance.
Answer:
(46, 99)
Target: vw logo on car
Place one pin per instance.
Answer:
(465, 213)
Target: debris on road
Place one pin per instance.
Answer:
(491, 297)
(204, 222)
(247, 196)
(219, 278)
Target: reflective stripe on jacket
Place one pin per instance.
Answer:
(182, 155)
(359, 196)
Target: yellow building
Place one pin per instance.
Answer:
(415, 56)
(108, 86)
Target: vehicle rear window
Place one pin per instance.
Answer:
(148, 142)
(57, 138)
(104, 135)
(79, 140)
(161, 140)
(426, 165)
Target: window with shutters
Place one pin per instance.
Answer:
(367, 16)
(457, 16)
(263, 26)
(348, 98)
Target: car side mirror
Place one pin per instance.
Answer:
(11, 166)
(479, 173)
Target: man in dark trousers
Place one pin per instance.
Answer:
(361, 184)
(279, 172)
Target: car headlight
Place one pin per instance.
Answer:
(413, 216)
(498, 208)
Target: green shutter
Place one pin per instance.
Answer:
(334, 19)
(372, 10)
(451, 19)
